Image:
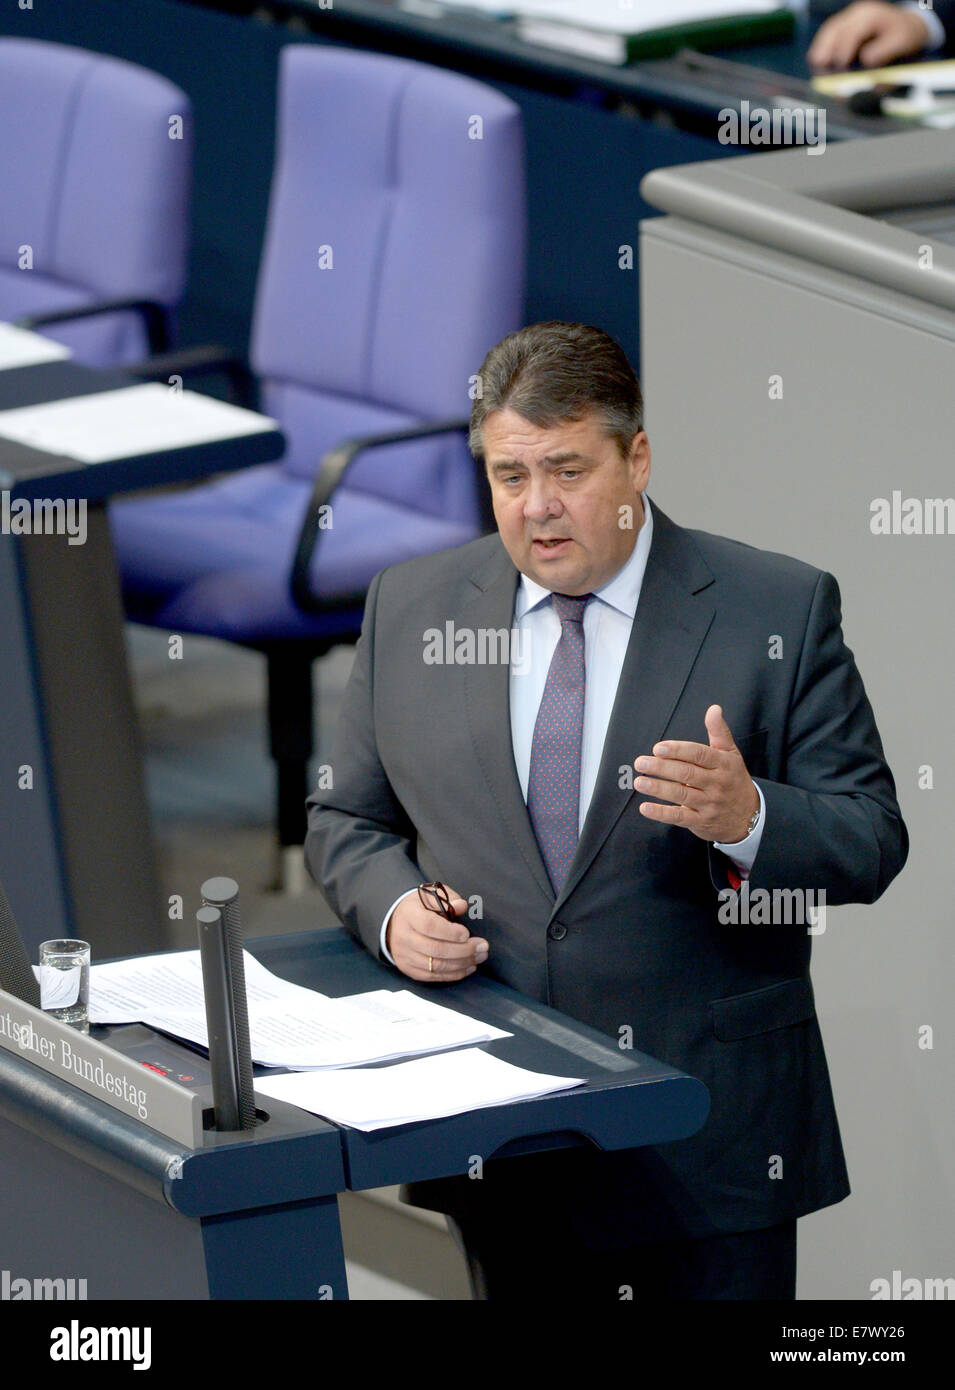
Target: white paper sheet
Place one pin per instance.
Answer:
(406, 1025)
(134, 420)
(289, 1026)
(21, 348)
(410, 1091)
(122, 989)
(619, 17)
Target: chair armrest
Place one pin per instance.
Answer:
(155, 318)
(202, 361)
(331, 470)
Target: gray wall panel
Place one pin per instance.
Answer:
(868, 408)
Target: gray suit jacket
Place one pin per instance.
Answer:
(425, 787)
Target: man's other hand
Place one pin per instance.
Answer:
(871, 32)
(417, 936)
(712, 793)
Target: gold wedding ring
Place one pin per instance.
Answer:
(431, 965)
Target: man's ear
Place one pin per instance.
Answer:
(639, 461)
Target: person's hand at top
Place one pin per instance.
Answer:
(871, 32)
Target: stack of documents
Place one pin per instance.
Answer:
(613, 31)
(128, 423)
(20, 348)
(289, 1026)
(424, 1090)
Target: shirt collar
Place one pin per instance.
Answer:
(621, 592)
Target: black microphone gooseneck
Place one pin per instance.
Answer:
(227, 1013)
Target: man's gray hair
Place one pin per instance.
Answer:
(553, 372)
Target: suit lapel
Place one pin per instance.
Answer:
(672, 619)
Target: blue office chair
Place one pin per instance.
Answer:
(95, 172)
(393, 260)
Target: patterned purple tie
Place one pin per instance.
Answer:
(553, 786)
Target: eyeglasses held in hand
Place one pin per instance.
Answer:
(436, 898)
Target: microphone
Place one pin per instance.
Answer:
(16, 973)
(227, 1013)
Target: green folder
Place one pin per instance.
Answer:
(612, 47)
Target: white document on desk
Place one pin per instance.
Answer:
(642, 16)
(289, 1025)
(132, 421)
(426, 1089)
(121, 991)
(21, 348)
(405, 1026)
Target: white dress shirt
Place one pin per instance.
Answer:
(935, 27)
(608, 620)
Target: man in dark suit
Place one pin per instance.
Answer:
(596, 726)
(875, 33)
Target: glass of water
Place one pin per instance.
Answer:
(65, 982)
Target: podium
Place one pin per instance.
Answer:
(90, 1193)
(73, 801)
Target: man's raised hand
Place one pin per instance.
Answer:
(711, 792)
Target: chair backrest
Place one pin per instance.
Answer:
(394, 258)
(95, 175)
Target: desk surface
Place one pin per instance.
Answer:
(32, 473)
